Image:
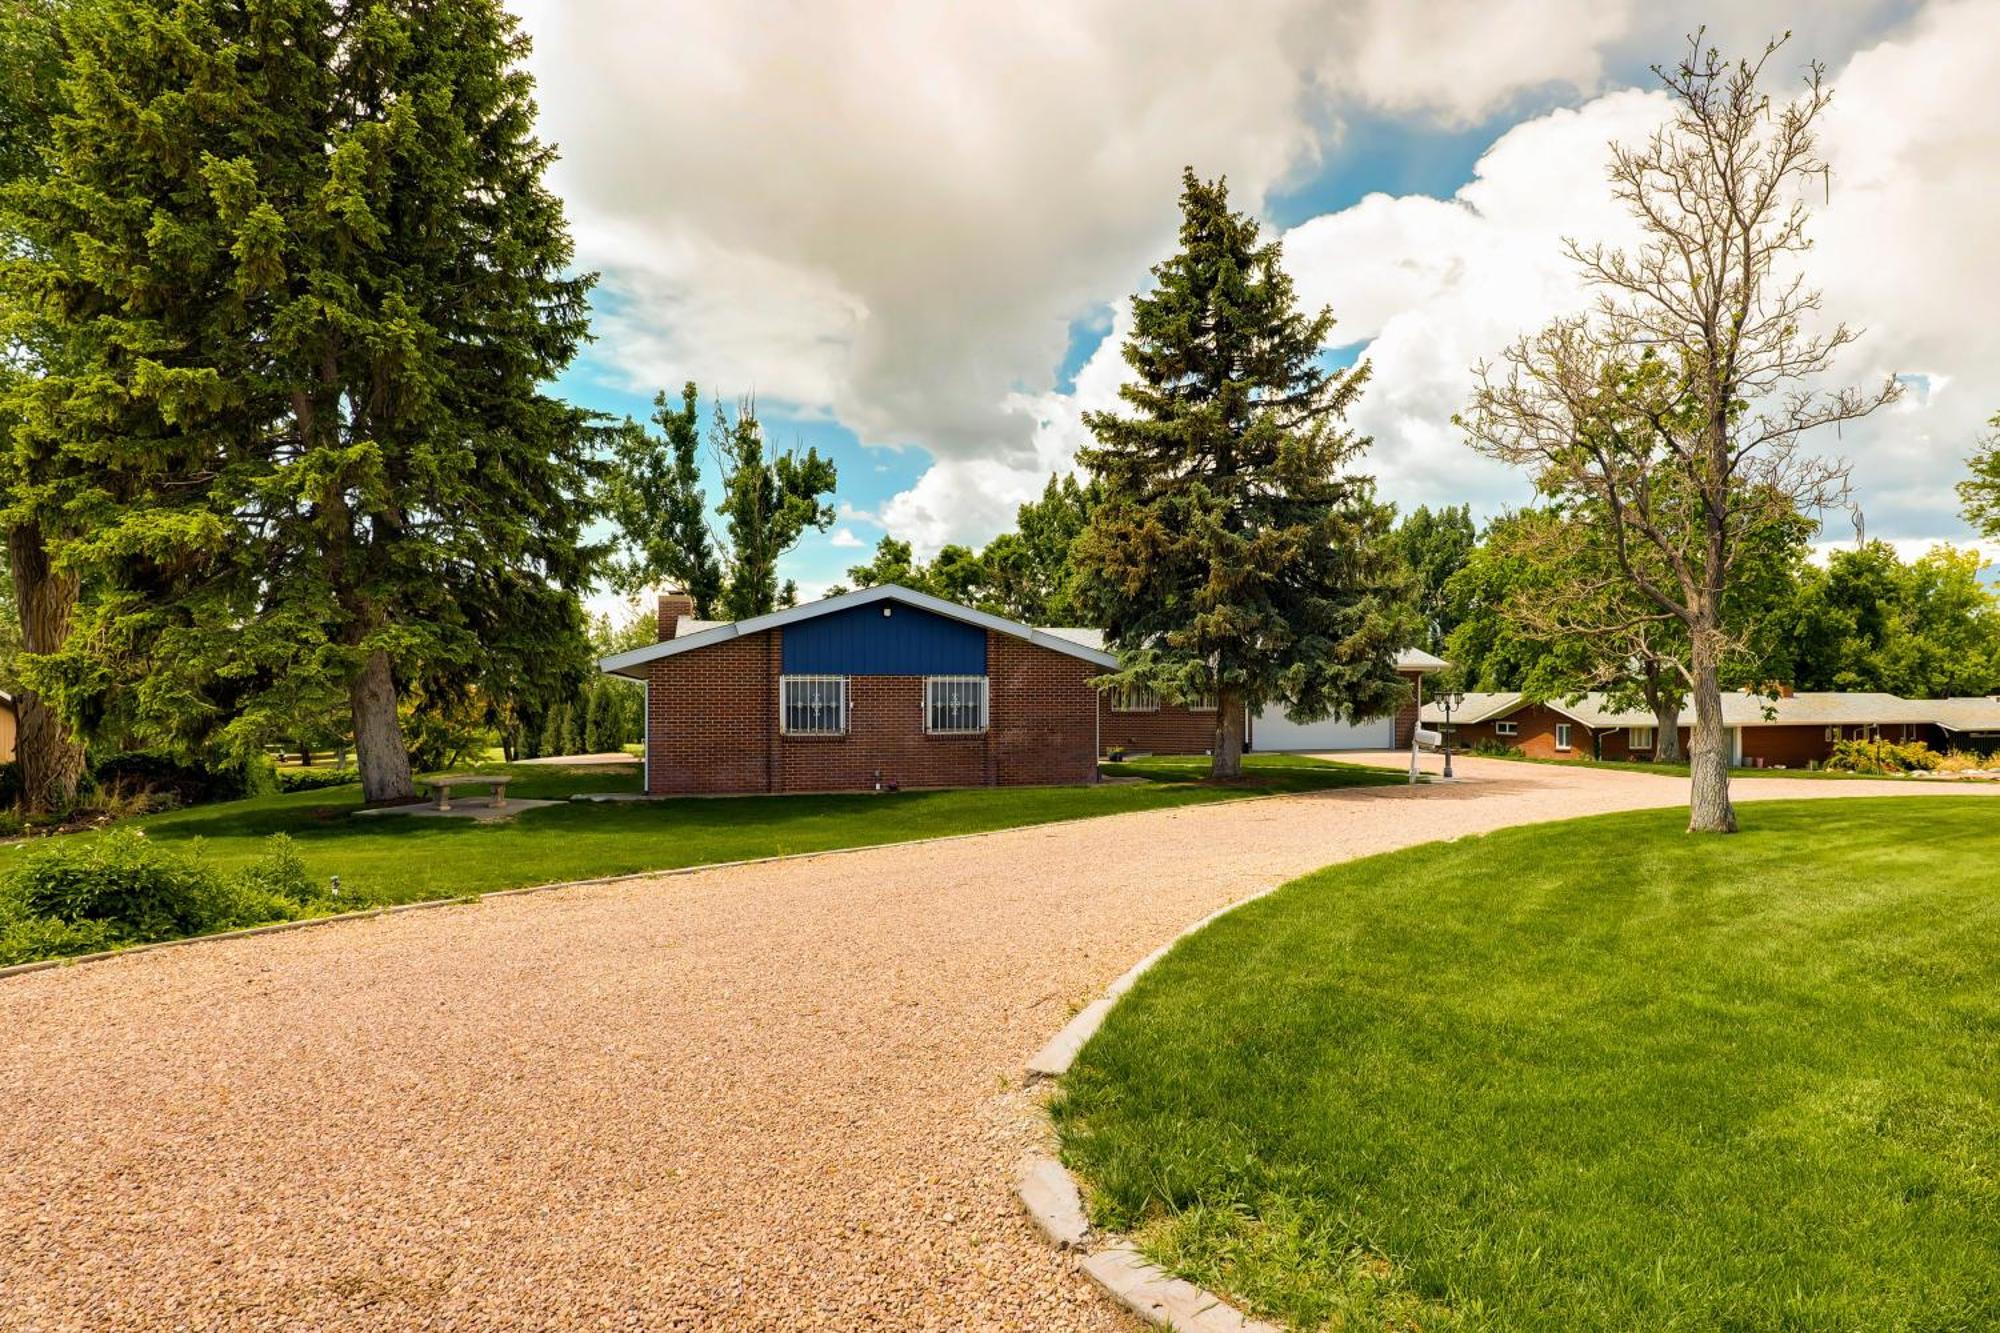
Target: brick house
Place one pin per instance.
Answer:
(888, 687)
(1791, 731)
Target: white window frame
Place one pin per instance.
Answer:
(1563, 736)
(1201, 703)
(962, 691)
(1127, 699)
(845, 706)
(1642, 738)
(1506, 728)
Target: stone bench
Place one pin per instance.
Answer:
(441, 789)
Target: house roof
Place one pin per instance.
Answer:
(1831, 708)
(705, 633)
(1072, 640)
(1978, 713)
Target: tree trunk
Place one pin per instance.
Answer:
(1226, 761)
(1666, 729)
(1709, 810)
(378, 733)
(50, 760)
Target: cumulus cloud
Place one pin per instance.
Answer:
(845, 539)
(891, 213)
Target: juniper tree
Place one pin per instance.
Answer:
(1235, 553)
(309, 282)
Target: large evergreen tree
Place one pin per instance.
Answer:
(42, 594)
(1235, 554)
(309, 281)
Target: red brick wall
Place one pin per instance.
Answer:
(1169, 729)
(1536, 737)
(1406, 716)
(1042, 713)
(713, 725)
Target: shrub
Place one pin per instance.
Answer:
(316, 779)
(156, 773)
(1965, 761)
(1882, 757)
(29, 939)
(1486, 745)
(281, 872)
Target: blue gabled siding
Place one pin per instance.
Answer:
(861, 641)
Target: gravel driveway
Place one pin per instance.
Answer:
(767, 1097)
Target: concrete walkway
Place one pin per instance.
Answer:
(766, 1097)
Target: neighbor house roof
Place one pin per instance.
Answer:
(1410, 659)
(1974, 714)
(1846, 708)
(693, 634)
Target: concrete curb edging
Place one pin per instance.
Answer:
(1050, 1194)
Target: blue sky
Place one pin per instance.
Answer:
(910, 236)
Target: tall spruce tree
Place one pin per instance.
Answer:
(309, 281)
(43, 595)
(1234, 554)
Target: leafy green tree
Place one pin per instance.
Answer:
(894, 561)
(1926, 629)
(305, 321)
(1435, 545)
(1236, 554)
(1981, 491)
(42, 594)
(653, 494)
(767, 505)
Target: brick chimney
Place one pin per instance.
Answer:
(673, 605)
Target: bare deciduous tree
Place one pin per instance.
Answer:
(1676, 407)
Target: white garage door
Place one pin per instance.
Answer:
(1272, 730)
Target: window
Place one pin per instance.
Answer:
(1506, 728)
(813, 705)
(1131, 699)
(1562, 735)
(1833, 733)
(1201, 703)
(954, 705)
(1640, 738)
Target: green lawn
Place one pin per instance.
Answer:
(393, 858)
(1596, 1075)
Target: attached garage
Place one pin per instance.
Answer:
(1271, 731)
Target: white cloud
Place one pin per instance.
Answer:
(890, 213)
(844, 539)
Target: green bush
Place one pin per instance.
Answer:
(79, 894)
(1882, 757)
(316, 779)
(156, 773)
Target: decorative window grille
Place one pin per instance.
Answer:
(1640, 739)
(954, 705)
(1130, 699)
(813, 705)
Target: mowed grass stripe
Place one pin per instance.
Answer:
(1598, 1074)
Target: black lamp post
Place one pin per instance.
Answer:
(1450, 699)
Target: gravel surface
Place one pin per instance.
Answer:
(779, 1096)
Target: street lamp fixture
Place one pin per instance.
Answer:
(1451, 700)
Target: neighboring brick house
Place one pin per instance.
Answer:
(891, 688)
(1791, 731)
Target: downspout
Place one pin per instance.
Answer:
(646, 734)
